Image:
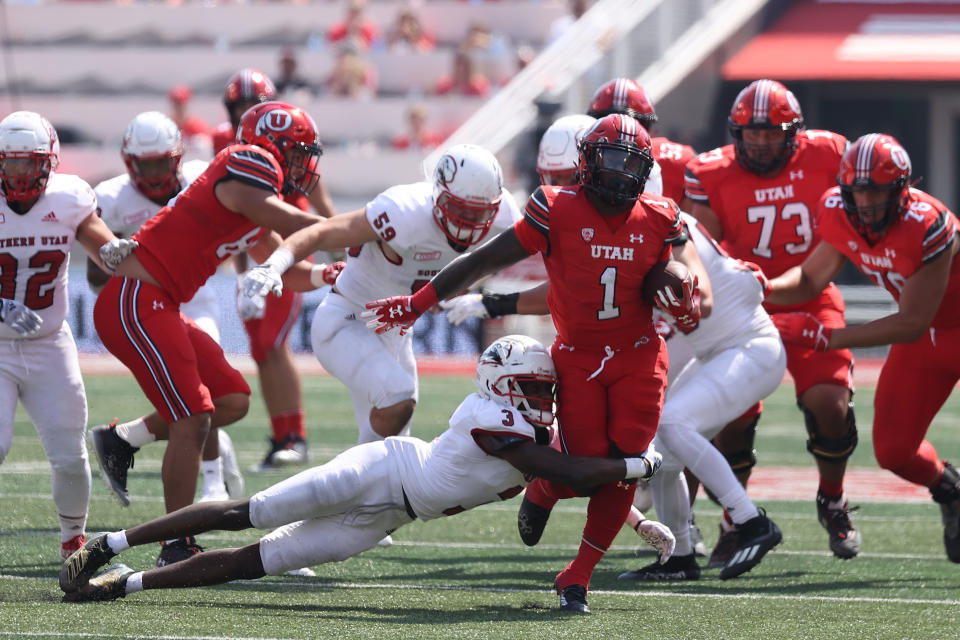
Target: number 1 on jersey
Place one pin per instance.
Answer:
(609, 281)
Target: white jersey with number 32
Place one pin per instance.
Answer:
(35, 249)
(403, 218)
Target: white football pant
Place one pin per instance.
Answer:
(379, 369)
(704, 397)
(331, 512)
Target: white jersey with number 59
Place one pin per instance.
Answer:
(403, 217)
(35, 249)
(453, 473)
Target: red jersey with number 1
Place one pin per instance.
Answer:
(183, 244)
(919, 236)
(768, 221)
(596, 273)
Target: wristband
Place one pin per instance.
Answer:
(636, 468)
(280, 260)
(500, 304)
(424, 298)
(316, 275)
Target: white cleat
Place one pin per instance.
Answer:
(386, 541)
(214, 494)
(306, 572)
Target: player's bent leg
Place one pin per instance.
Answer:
(181, 461)
(392, 420)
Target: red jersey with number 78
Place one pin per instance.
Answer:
(768, 221)
(182, 246)
(922, 233)
(596, 264)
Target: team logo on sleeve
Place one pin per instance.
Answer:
(586, 233)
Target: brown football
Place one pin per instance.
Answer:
(662, 275)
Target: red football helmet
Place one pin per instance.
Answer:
(246, 88)
(622, 95)
(615, 159)
(875, 162)
(765, 104)
(29, 152)
(290, 135)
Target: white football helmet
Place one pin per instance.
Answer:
(507, 372)
(29, 151)
(152, 148)
(467, 187)
(559, 156)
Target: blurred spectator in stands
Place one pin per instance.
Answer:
(353, 76)
(407, 33)
(560, 25)
(291, 86)
(492, 53)
(463, 79)
(525, 55)
(355, 28)
(195, 131)
(417, 137)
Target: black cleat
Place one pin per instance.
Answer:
(292, 450)
(178, 550)
(84, 562)
(844, 537)
(755, 538)
(676, 568)
(115, 457)
(947, 495)
(726, 545)
(109, 585)
(531, 521)
(574, 598)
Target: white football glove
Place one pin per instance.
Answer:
(19, 318)
(654, 458)
(249, 308)
(658, 536)
(261, 280)
(116, 251)
(461, 308)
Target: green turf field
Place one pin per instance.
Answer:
(469, 576)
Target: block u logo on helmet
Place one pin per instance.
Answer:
(275, 120)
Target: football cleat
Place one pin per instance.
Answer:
(232, 477)
(844, 537)
(291, 450)
(947, 495)
(676, 568)
(115, 457)
(700, 547)
(726, 545)
(73, 544)
(531, 521)
(109, 585)
(178, 550)
(756, 537)
(216, 494)
(84, 562)
(574, 598)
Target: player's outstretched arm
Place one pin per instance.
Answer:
(531, 302)
(579, 472)
(707, 217)
(262, 207)
(807, 280)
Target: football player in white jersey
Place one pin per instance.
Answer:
(42, 213)
(400, 240)
(731, 361)
(152, 150)
(495, 445)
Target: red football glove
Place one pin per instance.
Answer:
(400, 311)
(331, 271)
(758, 274)
(801, 329)
(685, 311)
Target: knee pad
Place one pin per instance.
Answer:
(831, 449)
(742, 460)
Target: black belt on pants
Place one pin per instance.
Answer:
(406, 505)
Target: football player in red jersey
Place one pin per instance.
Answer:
(268, 327)
(229, 208)
(623, 95)
(599, 239)
(906, 241)
(757, 197)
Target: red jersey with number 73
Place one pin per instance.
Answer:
(919, 236)
(596, 272)
(768, 221)
(182, 246)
